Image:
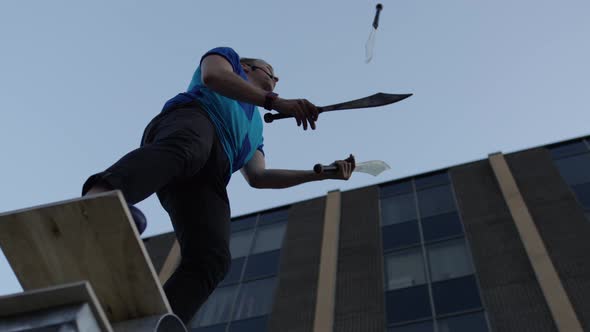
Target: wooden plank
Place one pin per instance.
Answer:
(52, 297)
(91, 238)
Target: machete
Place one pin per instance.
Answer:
(378, 99)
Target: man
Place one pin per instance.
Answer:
(187, 156)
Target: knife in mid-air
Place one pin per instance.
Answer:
(378, 99)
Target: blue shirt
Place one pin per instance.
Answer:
(238, 124)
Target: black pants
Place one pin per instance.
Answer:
(182, 160)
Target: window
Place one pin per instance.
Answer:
(255, 299)
(431, 180)
(400, 235)
(240, 242)
(568, 149)
(426, 326)
(582, 192)
(575, 169)
(395, 189)
(456, 295)
(235, 272)
(262, 265)
(441, 226)
(408, 304)
(449, 260)
(269, 237)
(573, 162)
(397, 209)
(217, 308)
(436, 200)
(243, 223)
(213, 328)
(404, 269)
(258, 324)
(472, 323)
(273, 216)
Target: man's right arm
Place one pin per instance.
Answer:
(218, 75)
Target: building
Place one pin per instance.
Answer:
(499, 244)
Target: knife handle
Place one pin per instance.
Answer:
(319, 168)
(270, 117)
(376, 19)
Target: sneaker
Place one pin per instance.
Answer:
(138, 218)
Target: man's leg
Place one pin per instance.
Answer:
(200, 213)
(176, 144)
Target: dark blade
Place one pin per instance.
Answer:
(378, 99)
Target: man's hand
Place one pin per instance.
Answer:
(301, 109)
(345, 168)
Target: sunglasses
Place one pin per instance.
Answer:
(274, 78)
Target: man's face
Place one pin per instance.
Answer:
(262, 75)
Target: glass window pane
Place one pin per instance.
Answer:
(235, 272)
(436, 200)
(258, 324)
(274, 216)
(472, 322)
(391, 189)
(431, 180)
(242, 223)
(407, 304)
(568, 149)
(449, 260)
(441, 226)
(427, 326)
(255, 298)
(262, 265)
(240, 242)
(269, 237)
(575, 169)
(456, 295)
(215, 328)
(396, 209)
(217, 309)
(404, 269)
(582, 192)
(400, 235)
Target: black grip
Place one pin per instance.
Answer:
(319, 168)
(376, 19)
(270, 117)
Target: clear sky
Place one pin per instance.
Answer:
(80, 80)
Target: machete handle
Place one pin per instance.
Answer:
(379, 7)
(319, 168)
(270, 117)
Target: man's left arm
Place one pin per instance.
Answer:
(258, 176)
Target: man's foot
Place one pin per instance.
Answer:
(138, 218)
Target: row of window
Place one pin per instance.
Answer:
(237, 302)
(573, 162)
(243, 300)
(429, 276)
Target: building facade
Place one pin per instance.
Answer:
(499, 244)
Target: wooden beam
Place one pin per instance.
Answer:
(171, 262)
(90, 238)
(559, 304)
(326, 294)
